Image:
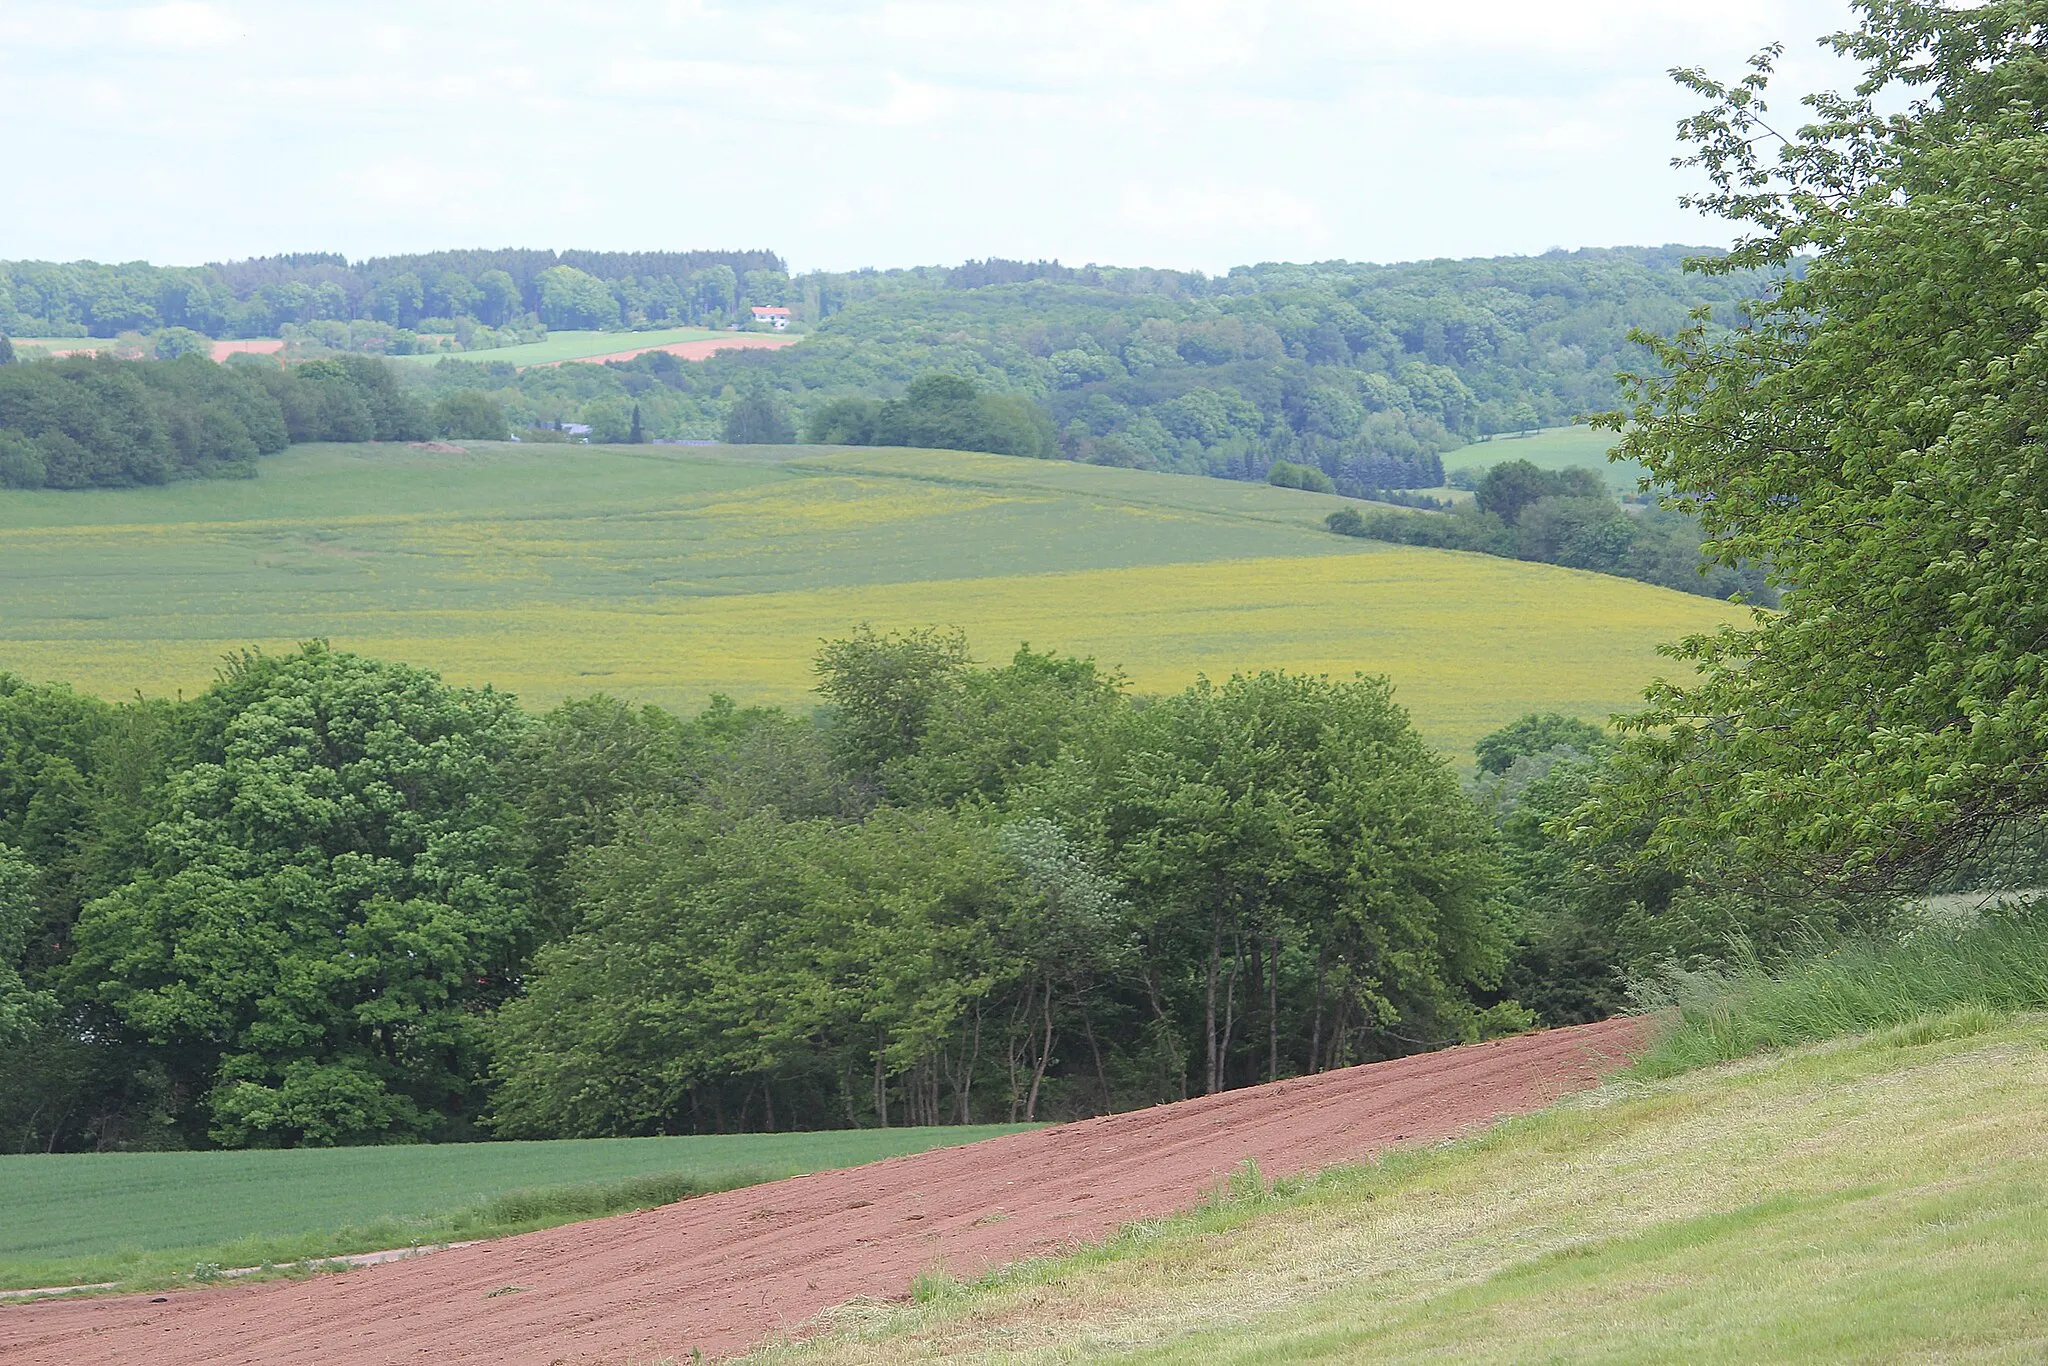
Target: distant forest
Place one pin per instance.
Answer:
(262, 296)
(1368, 373)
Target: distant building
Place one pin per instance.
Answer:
(777, 318)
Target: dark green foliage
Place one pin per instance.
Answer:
(334, 901)
(87, 422)
(757, 420)
(335, 890)
(1509, 488)
(1287, 475)
(943, 412)
(1567, 518)
(6, 349)
(1535, 733)
(22, 1009)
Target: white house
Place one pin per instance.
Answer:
(777, 318)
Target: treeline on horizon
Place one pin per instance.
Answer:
(88, 422)
(1369, 373)
(262, 296)
(335, 900)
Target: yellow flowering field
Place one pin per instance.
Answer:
(669, 575)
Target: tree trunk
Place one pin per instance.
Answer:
(1273, 1009)
(881, 1089)
(1210, 1086)
(1044, 1056)
(1101, 1072)
(1230, 1012)
(1315, 1038)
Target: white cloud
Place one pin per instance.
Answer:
(182, 26)
(1190, 132)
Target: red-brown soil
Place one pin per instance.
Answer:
(689, 350)
(722, 1272)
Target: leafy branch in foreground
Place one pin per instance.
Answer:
(1873, 431)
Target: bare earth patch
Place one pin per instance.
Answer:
(719, 1273)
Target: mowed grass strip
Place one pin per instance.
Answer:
(80, 1218)
(557, 347)
(1878, 1199)
(1553, 448)
(667, 577)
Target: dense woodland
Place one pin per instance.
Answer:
(1368, 373)
(1567, 517)
(424, 293)
(334, 900)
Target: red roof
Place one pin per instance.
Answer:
(772, 312)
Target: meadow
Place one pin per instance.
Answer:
(1553, 448)
(557, 347)
(83, 1218)
(1883, 1197)
(668, 575)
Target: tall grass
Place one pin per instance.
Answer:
(1969, 973)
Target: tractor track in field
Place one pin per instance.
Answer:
(720, 1273)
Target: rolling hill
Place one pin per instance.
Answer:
(669, 574)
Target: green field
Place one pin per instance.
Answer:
(668, 575)
(1882, 1198)
(567, 346)
(1553, 448)
(81, 1218)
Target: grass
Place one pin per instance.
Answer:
(1939, 976)
(567, 346)
(82, 1218)
(1553, 448)
(1878, 1198)
(668, 575)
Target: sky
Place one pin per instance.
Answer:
(843, 134)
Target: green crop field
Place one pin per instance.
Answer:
(1882, 1198)
(668, 575)
(567, 346)
(1553, 448)
(82, 1218)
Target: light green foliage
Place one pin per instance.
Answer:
(467, 415)
(334, 892)
(70, 1219)
(1875, 1200)
(884, 688)
(570, 298)
(790, 950)
(1874, 435)
(1292, 839)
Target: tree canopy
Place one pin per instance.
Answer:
(1873, 433)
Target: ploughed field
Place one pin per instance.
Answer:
(668, 574)
(716, 1274)
(88, 1218)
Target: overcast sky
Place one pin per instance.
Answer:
(847, 134)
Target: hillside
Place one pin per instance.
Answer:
(669, 575)
(1874, 1199)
